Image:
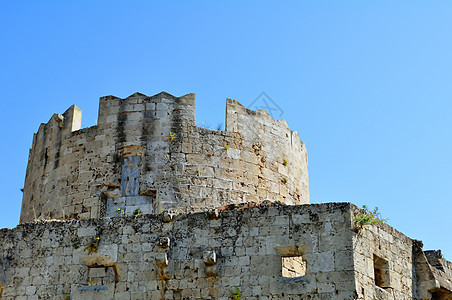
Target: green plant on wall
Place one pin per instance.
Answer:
(93, 246)
(120, 211)
(137, 212)
(236, 294)
(226, 146)
(365, 216)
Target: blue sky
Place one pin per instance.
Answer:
(366, 84)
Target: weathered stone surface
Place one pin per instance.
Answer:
(175, 211)
(147, 155)
(212, 254)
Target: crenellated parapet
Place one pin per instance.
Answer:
(172, 210)
(146, 155)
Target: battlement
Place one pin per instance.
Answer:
(146, 154)
(194, 213)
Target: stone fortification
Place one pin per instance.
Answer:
(147, 153)
(262, 252)
(170, 210)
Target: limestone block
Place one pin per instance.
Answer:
(86, 232)
(344, 260)
(92, 292)
(322, 261)
(150, 106)
(233, 153)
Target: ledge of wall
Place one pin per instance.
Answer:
(197, 255)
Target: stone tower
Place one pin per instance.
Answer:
(146, 154)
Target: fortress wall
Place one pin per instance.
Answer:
(383, 259)
(194, 256)
(70, 171)
(152, 147)
(279, 152)
(51, 164)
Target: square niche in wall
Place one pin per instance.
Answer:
(293, 266)
(381, 272)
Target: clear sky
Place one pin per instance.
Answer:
(367, 84)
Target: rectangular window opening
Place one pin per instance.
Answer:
(381, 272)
(293, 266)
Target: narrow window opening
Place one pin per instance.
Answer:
(293, 266)
(381, 272)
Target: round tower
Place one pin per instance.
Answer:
(147, 155)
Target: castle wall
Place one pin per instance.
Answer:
(262, 252)
(383, 259)
(175, 211)
(196, 256)
(152, 147)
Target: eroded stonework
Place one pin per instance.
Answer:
(147, 153)
(147, 205)
(214, 254)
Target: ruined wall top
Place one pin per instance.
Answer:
(267, 251)
(146, 154)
